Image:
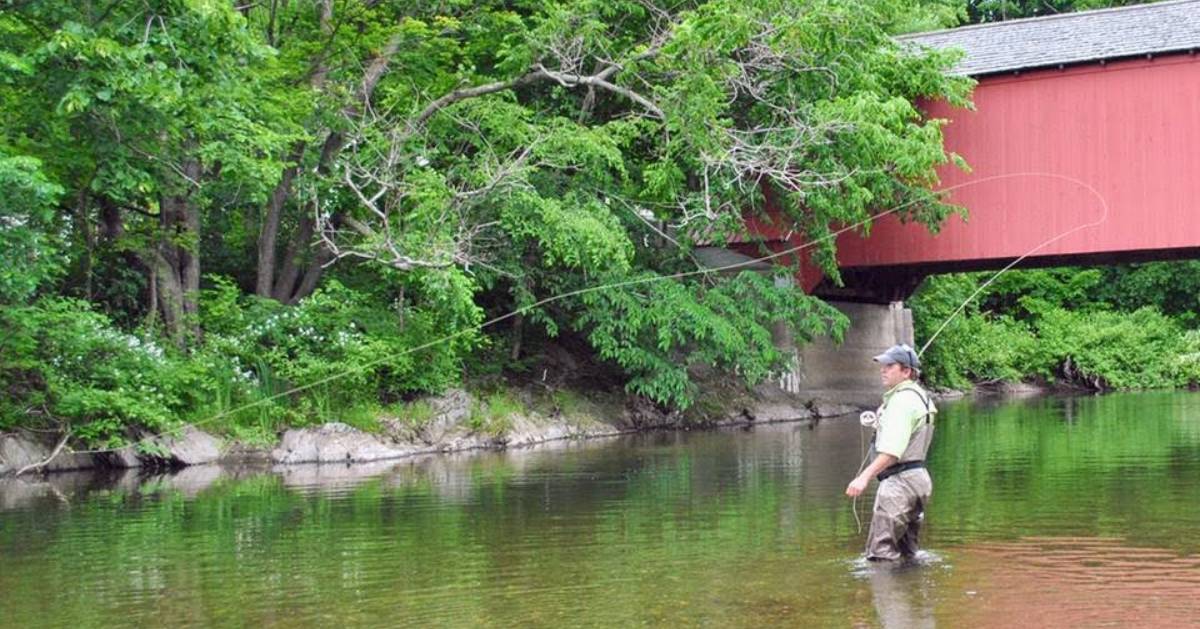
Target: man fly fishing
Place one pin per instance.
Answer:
(903, 431)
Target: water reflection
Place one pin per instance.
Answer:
(738, 528)
(65, 488)
(900, 593)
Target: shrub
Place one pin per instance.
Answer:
(335, 356)
(493, 414)
(1117, 350)
(1085, 345)
(339, 347)
(1187, 362)
(66, 363)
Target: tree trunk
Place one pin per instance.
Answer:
(266, 283)
(282, 285)
(170, 295)
(289, 272)
(286, 288)
(89, 242)
(152, 302)
(176, 261)
(112, 226)
(518, 332)
(269, 233)
(190, 269)
(316, 269)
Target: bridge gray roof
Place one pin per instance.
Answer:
(1070, 37)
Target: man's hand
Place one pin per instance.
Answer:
(857, 486)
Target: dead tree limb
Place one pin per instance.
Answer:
(53, 455)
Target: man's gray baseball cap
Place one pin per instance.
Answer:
(899, 355)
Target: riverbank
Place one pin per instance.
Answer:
(455, 421)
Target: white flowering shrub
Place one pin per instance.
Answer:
(62, 361)
(70, 366)
(339, 347)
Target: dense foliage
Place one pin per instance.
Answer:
(999, 10)
(1121, 327)
(209, 203)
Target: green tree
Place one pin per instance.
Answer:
(29, 251)
(357, 179)
(152, 115)
(1172, 287)
(1000, 10)
(593, 141)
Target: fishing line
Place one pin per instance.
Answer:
(1103, 218)
(583, 291)
(993, 278)
(862, 448)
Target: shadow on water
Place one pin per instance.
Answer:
(901, 596)
(902, 592)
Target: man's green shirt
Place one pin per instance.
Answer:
(901, 412)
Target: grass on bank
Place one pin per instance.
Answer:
(492, 414)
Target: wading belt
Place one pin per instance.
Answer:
(899, 467)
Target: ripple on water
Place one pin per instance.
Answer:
(1071, 582)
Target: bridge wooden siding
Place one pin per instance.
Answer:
(1130, 129)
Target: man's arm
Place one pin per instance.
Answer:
(859, 484)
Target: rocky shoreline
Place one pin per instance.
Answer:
(449, 429)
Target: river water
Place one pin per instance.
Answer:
(1046, 512)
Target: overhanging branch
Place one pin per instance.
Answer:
(539, 73)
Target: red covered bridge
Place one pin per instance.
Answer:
(1103, 99)
(1090, 118)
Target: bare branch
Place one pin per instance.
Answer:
(539, 73)
(465, 93)
(376, 174)
(571, 80)
(53, 455)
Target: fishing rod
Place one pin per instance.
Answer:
(867, 416)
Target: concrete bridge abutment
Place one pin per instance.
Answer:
(824, 370)
(845, 372)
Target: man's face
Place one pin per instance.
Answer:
(893, 374)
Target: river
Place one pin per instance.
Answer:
(1050, 511)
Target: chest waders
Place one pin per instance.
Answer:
(901, 498)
